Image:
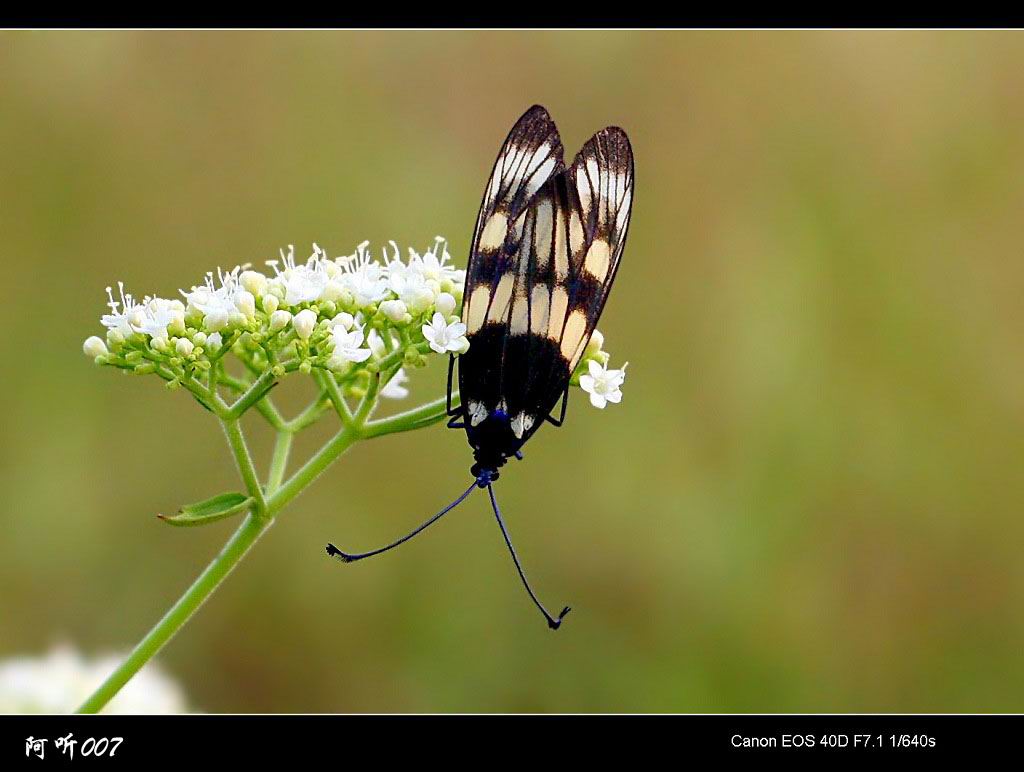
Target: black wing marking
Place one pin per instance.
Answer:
(530, 155)
(559, 262)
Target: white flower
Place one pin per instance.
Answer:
(304, 323)
(61, 680)
(302, 283)
(214, 342)
(214, 303)
(184, 347)
(603, 385)
(444, 337)
(120, 315)
(347, 346)
(436, 268)
(157, 315)
(270, 303)
(279, 320)
(365, 280)
(395, 388)
(94, 347)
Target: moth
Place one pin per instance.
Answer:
(545, 251)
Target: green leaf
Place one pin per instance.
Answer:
(210, 511)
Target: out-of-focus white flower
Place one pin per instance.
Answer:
(603, 385)
(184, 347)
(62, 679)
(304, 323)
(395, 388)
(214, 342)
(347, 346)
(444, 337)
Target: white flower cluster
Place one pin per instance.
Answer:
(351, 315)
(344, 314)
(62, 679)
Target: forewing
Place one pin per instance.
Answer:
(530, 155)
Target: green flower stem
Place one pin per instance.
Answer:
(329, 384)
(254, 394)
(279, 493)
(233, 430)
(279, 461)
(247, 534)
(265, 406)
(425, 415)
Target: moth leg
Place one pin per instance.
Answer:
(561, 417)
(455, 422)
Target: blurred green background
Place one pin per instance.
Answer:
(809, 500)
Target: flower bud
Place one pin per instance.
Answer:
(184, 346)
(94, 347)
(304, 322)
(345, 320)
(177, 324)
(200, 338)
(279, 320)
(445, 303)
(395, 310)
(253, 281)
(214, 342)
(270, 303)
(594, 345)
(246, 303)
(420, 300)
(216, 320)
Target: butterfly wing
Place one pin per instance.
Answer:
(529, 157)
(566, 292)
(551, 279)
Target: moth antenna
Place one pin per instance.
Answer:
(348, 557)
(553, 623)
